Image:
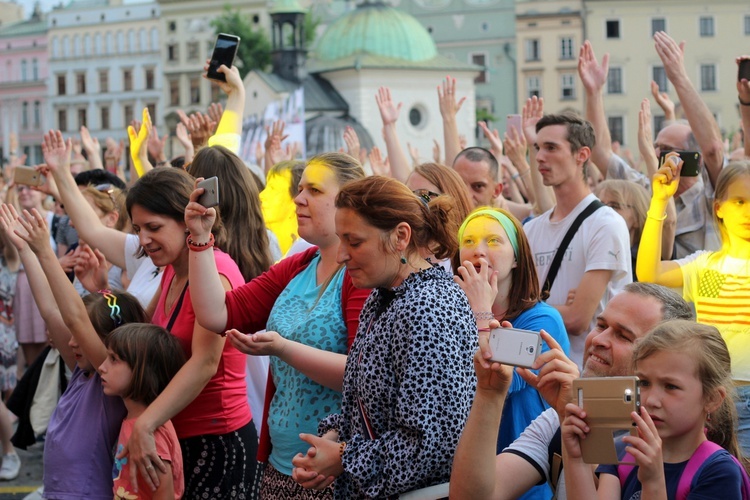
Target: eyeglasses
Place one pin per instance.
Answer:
(108, 189)
(21, 187)
(114, 309)
(426, 195)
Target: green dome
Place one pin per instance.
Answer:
(376, 29)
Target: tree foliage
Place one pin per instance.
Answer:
(254, 51)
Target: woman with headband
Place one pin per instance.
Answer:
(497, 273)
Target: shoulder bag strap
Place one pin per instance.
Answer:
(555, 266)
(177, 308)
(699, 456)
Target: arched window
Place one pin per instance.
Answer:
(77, 52)
(66, 46)
(87, 44)
(55, 47)
(142, 40)
(98, 49)
(131, 41)
(110, 43)
(34, 69)
(154, 40)
(24, 71)
(120, 43)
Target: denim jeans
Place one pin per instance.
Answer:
(743, 417)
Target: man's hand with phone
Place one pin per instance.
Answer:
(743, 80)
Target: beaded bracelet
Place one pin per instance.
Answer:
(484, 315)
(342, 446)
(743, 102)
(199, 247)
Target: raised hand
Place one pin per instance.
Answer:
(92, 147)
(12, 227)
(515, 148)
(743, 85)
(664, 102)
(667, 178)
(49, 186)
(139, 136)
(449, 108)
(377, 163)
(56, 151)
(389, 111)
(646, 449)
(533, 111)
(480, 286)
(593, 75)
(91, 268)
(436, 151)
(496, 145)
(234, 81)
(645, 138)
(215, 110)
(352, 142)
(156, 145)
(35, 231)
(199, 219)
(672, 56)
(492, 378)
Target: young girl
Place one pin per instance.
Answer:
(717, 283)
(82, 432)
(686, 398)
(141, 360)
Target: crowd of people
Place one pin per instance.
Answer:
(323, 329)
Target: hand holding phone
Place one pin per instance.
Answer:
(27, 176)
(690, 162)
(743, 68)
(224, 53)
(511, 346)
(513, 121)
(210, 196)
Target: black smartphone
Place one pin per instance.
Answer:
(743, 71)
(210, 196)
(690, 159)
(224, 52)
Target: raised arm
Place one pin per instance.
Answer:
(92, 148)
(449, 108)
(533, 111)
(649, 266)
(594, 77)
(664, 102)
(700, 118)
(230, 126)
(59, 333)
(743, 93)
(110, 241)
(139, 136)
(400, 168)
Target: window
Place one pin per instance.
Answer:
(152, 112)
(104, 118)
(480, 59)
(60, 84)
(747, 25)
(614, 81)
(195, 91)
(613, 29)
(215, 93)
(103, 81)
(616, 128)
(173, 53)
(533, 86)
(567, 87)
(127, 79)
(80, 83)
(658, 123)
(708, 77)
(37, 114)
(24, 72)
(127, 113)
(62, 120)
(149, 79)
(660, 77)
(533, 50)
(566, 48)
(174, 92)
(658, 24)
(25, 116)
(707, 26)
(172, 26)
(193, 51)
(34, 70)
(81, 118)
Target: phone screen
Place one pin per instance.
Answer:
(224, 52)
(691, 161)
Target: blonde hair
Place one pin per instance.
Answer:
(706, 346)
(627, 194)
(729, 174)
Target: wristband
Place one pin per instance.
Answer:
(199, 247)
(652, 216)
(515, 176)
(488, 329)
(484, 315)
(743, 102)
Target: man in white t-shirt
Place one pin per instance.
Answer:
(536, 456)
(596, 264)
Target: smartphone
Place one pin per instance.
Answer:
(513, 121)
(210, 196)
(27, 176)
(224, 52)
(690, 162)
(511, 346)
(608, 402)
(743, 71)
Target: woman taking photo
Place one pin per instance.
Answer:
(206, 400)
(308, 306)
(409, 378)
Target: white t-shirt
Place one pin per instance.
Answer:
(602, 242)
(144, 275)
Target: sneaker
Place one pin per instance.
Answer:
(11, 467)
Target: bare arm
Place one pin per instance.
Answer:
(578, 314)
(743, 92)
(664, 102)
(93, 149)
(594, 77)
(110, 241)
(700, 118)
(448, 110)
(400, 168)
(231, 120)
(533, 111)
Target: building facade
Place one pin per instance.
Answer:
(23, 87)
(104, 66)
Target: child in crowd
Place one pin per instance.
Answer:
(686, 399)
(141, 360)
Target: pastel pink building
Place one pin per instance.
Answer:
(23, 86)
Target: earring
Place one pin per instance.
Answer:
(708, 417)
(403, 259)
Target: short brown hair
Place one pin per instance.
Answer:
(153, 354)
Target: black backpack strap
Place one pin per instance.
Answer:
(555, 266)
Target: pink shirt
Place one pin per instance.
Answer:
(222, 406)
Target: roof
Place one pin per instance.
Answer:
(368, 61)
(325, 133)
(319, 93)
(23, 28)
(286, 6)
(376, 29)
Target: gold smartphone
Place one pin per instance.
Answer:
(27, 176)
(608, 403)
